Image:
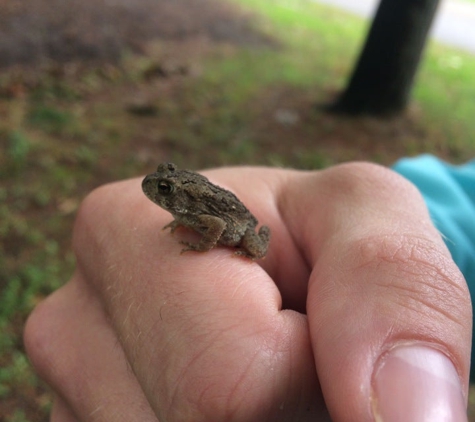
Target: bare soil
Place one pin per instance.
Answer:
(34, 31)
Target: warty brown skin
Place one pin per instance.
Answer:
(215, 213)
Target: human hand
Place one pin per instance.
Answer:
(142, 333)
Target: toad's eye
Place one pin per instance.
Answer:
(164, 187)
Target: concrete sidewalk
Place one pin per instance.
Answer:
(454, 24)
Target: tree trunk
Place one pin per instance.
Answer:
(382, 80)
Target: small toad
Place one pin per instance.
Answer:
(215, 213)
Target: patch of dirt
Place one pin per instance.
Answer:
(33, 31)
(289, 120)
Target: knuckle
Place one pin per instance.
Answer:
(88, 210)
(363, 181)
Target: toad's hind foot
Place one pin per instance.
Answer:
(254, 245)
(264, 234)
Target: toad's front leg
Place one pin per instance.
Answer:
(211, 228)
(172, 225)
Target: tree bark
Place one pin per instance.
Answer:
(382, 80)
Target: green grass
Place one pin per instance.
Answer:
(322, 45)
(49, 119)
(445, 90)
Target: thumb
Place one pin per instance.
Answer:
(389, 312)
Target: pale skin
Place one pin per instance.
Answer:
(143, 333)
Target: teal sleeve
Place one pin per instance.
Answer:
(449, 192)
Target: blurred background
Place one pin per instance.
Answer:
(96, 91)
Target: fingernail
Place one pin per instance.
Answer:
(417, 383)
